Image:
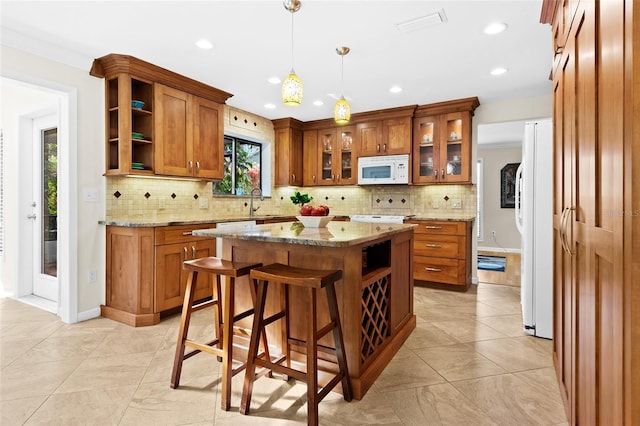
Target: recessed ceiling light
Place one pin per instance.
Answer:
(204, 44)
(495, 28)
(498, 71)
(395, 89)
(270, 106)
(318, 102)
(274, 80)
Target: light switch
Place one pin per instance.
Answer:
(90, 195)
(456, 204)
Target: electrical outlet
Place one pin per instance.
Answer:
(162, 204)
(435, 204)
(456, 204)
(92, 276)
(204, 202)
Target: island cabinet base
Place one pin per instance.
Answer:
(375, 298)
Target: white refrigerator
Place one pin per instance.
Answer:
(534, 220)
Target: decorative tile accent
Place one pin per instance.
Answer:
(173, 195)
(147, 195)
(195, 196)
(117, 194)
(446, 198)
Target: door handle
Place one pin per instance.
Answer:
(433, 245)
(193, 252)
(432, 227)
(184, 249)
(190, 166)
(197, 167)
(565, 224)
(432, 269)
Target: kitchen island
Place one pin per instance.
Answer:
(375, 294)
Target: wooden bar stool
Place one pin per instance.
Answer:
(225, 317)
(312, 280)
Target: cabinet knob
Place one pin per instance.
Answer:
(314, 179)
(384, 147)
(378, 147)
(442, 173)
(432, 269)
(293, 177)
(435, 173)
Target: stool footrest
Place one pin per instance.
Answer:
(279, 368)
(326, 329)
(205, 304)
(273, 318)
(242, 315)
(199, 347)
(325, 353)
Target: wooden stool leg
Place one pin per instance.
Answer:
(227, 333)
(263, 335)
(312, 360)
(284, 306)
(339, 341)
(258, 326)
(184, 328)
(218, 314)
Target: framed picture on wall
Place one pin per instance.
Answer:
(508, 186)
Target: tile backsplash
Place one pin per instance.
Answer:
(158, 200)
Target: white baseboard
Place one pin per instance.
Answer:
(90, 314)
(499, 249)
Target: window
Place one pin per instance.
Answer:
(479, 199)
(242, 167)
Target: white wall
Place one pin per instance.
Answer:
(86, 167)
(496, 218)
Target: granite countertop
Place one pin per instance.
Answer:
(143, 224)
(336, 234)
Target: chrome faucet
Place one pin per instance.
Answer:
(254, 191)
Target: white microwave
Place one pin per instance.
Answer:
(383, 169)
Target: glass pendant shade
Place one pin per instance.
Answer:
(342, 111)
(292, 90)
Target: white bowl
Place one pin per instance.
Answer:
(315, 221)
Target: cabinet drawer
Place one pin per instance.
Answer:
(435, 227)
(447, 271)
(179, 233)
(451, 246)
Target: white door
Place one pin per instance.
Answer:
(45, 207)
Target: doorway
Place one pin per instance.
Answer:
(43, 247)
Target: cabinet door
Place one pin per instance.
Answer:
(171, 279)
(173, 132)
(369, 138)
(208, 139)
(455, 148)
(425, 153)
(327, 146)
(288, 157)
(310, 158)
(344, 156)
(396, 136)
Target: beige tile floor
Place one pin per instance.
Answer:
(467, 363)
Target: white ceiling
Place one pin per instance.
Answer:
(252, 42)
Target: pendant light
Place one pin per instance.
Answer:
(292, 85)
(342, 110)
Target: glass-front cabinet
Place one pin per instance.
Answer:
(442, 142)
(337, 160)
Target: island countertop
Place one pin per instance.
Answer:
(336, 234)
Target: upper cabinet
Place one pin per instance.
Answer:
(336, 159)
(386, 132)
(188, 133)
(159, 122)
(288, 152)
(442, 142)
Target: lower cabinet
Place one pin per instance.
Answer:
(442, 252)
(144, 274)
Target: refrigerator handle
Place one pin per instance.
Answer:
(518, 209)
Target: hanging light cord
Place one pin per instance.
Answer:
(342, 77)
(292, 12)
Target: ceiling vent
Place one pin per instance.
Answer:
(431, 20)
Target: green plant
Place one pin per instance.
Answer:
(302, 199)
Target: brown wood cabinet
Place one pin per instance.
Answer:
(288, 152)
(177, 132)
(144, 270)
(387, 136)
(442, 142)
(336, 160)
(596, 102)
(310, 164)
(188, 134)
(442, 252)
